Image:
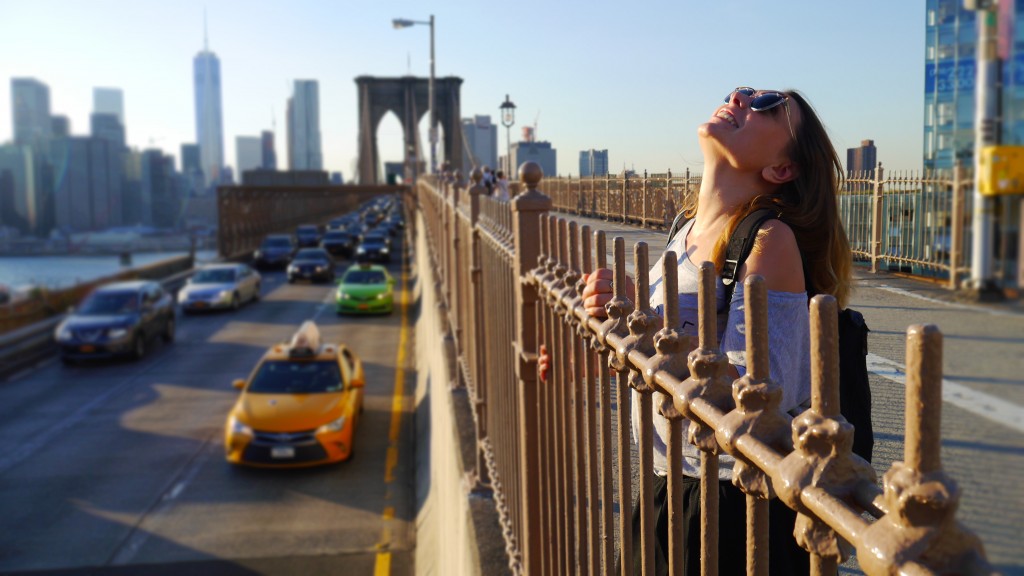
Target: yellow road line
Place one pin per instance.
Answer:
(383, 563)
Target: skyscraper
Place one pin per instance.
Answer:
(108, 101)
(268, 156)
(209, 124)
(30, 106)
(951, 45)
(82, 191)
(537, 151)
(481, 142)
(191, 168)
(249, 152)
(862, 159)
(304, 152)
(593, 163)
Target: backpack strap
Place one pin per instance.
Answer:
(742, 242)
(679, 221)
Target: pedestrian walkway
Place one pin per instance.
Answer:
(983, 389)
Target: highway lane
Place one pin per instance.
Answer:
(120, 466)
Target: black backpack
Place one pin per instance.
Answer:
(854, 391)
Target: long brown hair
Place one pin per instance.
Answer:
(808, 204)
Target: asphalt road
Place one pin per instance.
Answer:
(118, 468)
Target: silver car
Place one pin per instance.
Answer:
(220, 286)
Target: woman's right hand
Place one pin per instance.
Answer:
(543, 363)
(598, 291)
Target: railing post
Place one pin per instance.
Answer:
(956, 234)
(526, 211)
(876, 221)
(625, 188)
(481, 478)
(643, 209)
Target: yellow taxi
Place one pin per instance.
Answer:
(299, 407)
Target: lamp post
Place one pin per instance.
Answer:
(399, 23)
(508, 118)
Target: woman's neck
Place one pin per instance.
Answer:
(723, 191)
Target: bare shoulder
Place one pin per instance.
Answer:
(776, 257)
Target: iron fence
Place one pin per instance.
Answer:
(915, 222)
(511, 280)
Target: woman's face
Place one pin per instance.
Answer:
(750, 139)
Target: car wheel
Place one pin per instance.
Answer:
(169, 327)
(139, 347)
(256, 294)
(234, 301)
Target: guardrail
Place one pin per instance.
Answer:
(509, 276)
(32, 343)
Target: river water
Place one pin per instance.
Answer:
(18, 272)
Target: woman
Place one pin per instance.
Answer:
(762, 149)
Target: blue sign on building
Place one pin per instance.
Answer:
(950, 76)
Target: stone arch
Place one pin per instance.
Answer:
(408, 97)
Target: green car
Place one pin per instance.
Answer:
(365, 289)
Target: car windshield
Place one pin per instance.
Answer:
(277, 243)
(311, 255)
(103, 303)
(283, 377)
(306, 231)
(364, 277)
(222, 276)
(336, 236)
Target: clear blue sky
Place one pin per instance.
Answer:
(635, 78)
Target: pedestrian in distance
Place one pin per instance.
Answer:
(501, 185)
(762, 149)
(488, 180)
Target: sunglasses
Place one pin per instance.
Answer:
(765, 101)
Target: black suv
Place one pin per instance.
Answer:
(338, 243)
(311, 264)
(118, 319)
(274, 252)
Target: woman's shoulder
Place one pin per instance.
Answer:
(776, 257)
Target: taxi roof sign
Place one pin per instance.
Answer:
(305, 341)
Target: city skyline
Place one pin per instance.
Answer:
(635, 94)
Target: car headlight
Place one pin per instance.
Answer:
(384, 250)
(332, 426)
(224, 295)
(257, 254)
(383, 295)
(115, 333)
(321, 268)
(291, 267)
(360, 250)
(343, 296)
(238, 427)
(63, 333)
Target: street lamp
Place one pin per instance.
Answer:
(399, 23)
(508, 118)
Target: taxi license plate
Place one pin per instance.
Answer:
(87, 349)
(282, 452)
(364, 306)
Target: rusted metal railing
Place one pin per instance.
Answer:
(555, 451)
(916, 222)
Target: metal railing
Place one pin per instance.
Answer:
(510, 280)
(917, 222)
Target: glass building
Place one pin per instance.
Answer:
(951, 36)
(209, 124)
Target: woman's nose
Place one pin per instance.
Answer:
(737, 98)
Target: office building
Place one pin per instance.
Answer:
(84, 197)
(951, 37)
(30, 104)
(268, 152)
(160, 190)
(480, 138)
(108, 101)
(304, 152)
(209, 124)
(18, 168)
(107, 127)
(593, 163)
(249, 153)
(540, 152)
(862, 160)
(61, 126)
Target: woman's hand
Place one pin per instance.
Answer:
(543, 363)
(598, 291)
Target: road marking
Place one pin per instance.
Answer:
(324, 305)
(131, 545)
(902, 292)
(383, 563)
(981, 404)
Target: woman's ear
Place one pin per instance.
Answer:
(780, 173)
